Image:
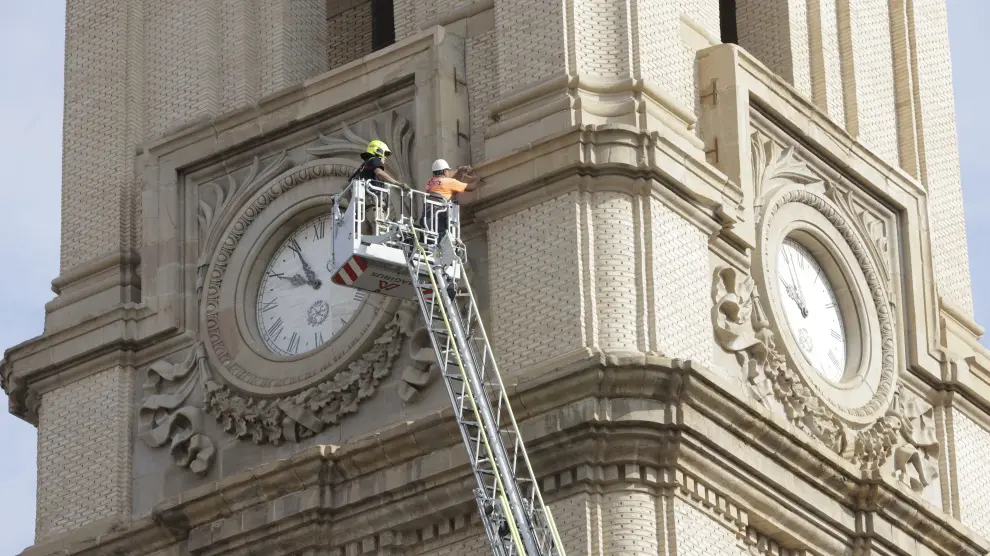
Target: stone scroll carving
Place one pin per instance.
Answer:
(174, 418)
(868, 226)
(902, 442)
(177, 417)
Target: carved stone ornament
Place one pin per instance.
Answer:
(774, 165)
(206, 381)
(902, 442)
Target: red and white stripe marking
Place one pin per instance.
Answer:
(351, 271)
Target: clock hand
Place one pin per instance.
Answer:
(310, 275)
(295, 280)
(792, 293)
(799, 299)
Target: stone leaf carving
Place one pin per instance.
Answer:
(905, 438)
(423, 359)
(216, 201)
(307, 413)
(173, 418)
(868, 225)
(902, 441)
(741, 328)
(774, 165)
(395, 130)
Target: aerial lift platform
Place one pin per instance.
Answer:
(385, 241)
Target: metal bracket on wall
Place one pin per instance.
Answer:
(460, 135)
(458, 81)
(712, 92)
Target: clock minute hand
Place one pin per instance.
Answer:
(295, 279)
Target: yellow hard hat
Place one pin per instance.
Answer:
(378, 148)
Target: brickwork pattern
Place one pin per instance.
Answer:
(941, 154)
(294, 42)
(350, 35)
(680, 277)
(96, 163)
(183, 63)
(475, 544)
(404, 12)
(239, 44)
(704, 13)
(84, 452)
(616, 279)
(873, 65)
(482, 75)
(531, 41)
(826, 76)
(777, 34)
(699, 535)
(579, 523)
(601, 34)
(629, 523)
(535, 283)
(972, 444)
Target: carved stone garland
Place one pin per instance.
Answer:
(906, 432)
(176, 417)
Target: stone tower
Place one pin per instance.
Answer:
(727, 283)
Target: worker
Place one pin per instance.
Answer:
(448, 187)
(373, 169)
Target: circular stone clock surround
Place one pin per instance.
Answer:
(867, 384)
(233, 343)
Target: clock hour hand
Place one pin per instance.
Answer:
(311, 278)
(295, 279)
(796, 297)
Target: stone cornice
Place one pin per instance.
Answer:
(542, 171)
(606, 409)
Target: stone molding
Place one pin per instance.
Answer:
(687, 414)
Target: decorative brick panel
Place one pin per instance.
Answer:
(294, 42)
(482, 75)
(350, 35)
(826, 64)
(579, 523)
(680, 274)
(102, 114)
(531, 41)
(535, 281)
(84, 452)
(972, 444)
(182, 63)
(601, 32)
(629, 523)
(699, 535)
(777, 34)
(940, 158)
(869, 22)
(240, 44)
(617, 285)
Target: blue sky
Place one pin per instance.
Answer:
(31, 50)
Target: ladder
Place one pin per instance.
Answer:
(369, 254)
(516, 520)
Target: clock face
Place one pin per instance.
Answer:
(298, 307)
(811, 310)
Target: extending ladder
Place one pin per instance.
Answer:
(514, 515)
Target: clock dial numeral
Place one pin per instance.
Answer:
(269, 305)
(319, 229)
(318, 338)
(833, 358)
(835, 334)
(293, 344)
(360, 295)
(294, 245)
(275, 328)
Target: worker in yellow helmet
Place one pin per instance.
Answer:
(373, 167)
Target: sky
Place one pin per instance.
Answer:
(31, 96)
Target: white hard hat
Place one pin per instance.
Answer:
(440, 164)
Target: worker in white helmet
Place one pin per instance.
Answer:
(449, 186)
